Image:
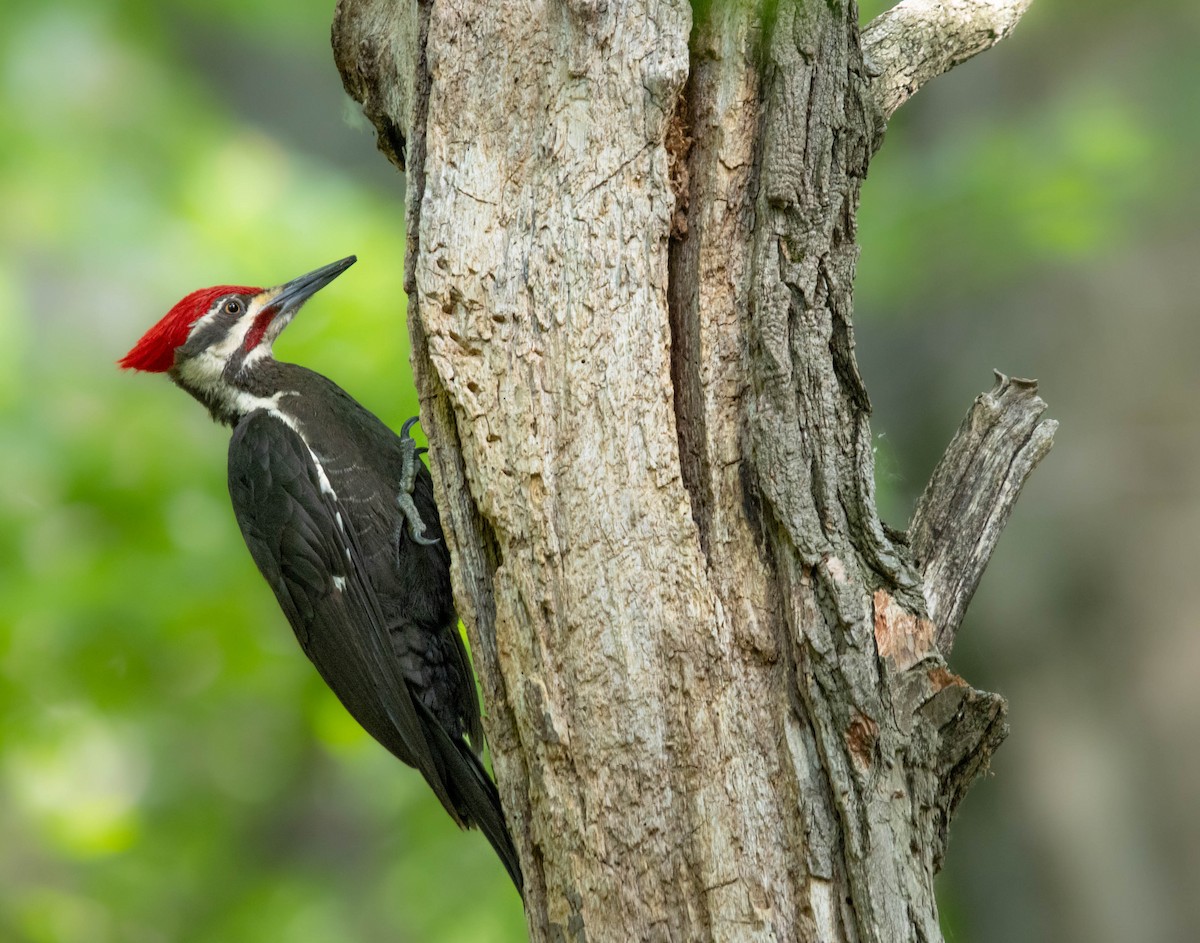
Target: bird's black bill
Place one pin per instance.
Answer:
(293, 294)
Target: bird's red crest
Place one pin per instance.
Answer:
(155, 352)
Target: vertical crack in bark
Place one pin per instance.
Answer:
(755, 675)
(416, 164)
(812, 454)
(683, 308)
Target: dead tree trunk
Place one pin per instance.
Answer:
(716, 685)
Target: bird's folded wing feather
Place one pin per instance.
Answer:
(303, 543)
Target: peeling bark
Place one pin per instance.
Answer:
(717, 697)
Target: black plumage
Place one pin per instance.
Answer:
(314, 483)
(338, 513)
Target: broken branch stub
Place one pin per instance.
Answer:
(969, 498)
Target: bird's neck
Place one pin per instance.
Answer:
(231, 390)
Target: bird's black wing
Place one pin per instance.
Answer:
(304, 546)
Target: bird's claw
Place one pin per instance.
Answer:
(416, 526)
(408, 479)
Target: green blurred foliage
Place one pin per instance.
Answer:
(1051, 190)
(171, 768)
(1036, 163)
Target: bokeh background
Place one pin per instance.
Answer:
(171, 769)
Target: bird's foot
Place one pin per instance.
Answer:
(408, 480)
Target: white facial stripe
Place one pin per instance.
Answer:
(206, 318)
(259, 352)
(227, 346)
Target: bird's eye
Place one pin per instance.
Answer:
(233, 307)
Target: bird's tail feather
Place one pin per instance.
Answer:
(473, 792)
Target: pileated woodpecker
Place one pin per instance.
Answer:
(338, 513)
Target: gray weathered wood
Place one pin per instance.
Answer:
(966, 504)
(716, 702)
